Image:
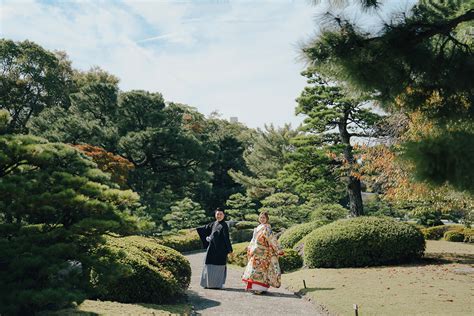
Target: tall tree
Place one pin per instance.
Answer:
(265, 157)
(32, 79)
(420, 61)
(336, 118)
(54, 208)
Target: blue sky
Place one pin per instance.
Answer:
(237, 57)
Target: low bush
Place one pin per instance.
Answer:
(183, 241)
(155, 273)
(453, 235)
(292, 235)
(246, 225)
(362, 241)
(291, 260)
(241, 235)
(329, 212)
(437, 232)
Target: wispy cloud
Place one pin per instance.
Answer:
(238, 57)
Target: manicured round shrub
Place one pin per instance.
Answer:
(437, 232)
(329, 212)
(362, 241)
(292, 235)
(183, 241)
(291, 260)
(155, 273)
(455, 236)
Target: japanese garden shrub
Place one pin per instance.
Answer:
(241, 235)
(329, 212)
(292, 235)
(291, 260)
(182, 241)
(246, 225)
(437, 232)
(155, 273)
(461, 234)
(453, 235)
(363, 241)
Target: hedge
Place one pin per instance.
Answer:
(437, 232)
(292, 235)
(241, 235)
(363, 241)
(455, 236)
(291, 260)
(156, 274)
(183, 241)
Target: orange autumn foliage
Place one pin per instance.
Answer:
(117, 166)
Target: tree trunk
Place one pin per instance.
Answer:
(353, 184)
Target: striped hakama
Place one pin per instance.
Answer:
(213, 276)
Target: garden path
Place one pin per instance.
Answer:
(233, 300)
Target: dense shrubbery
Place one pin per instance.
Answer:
(363, 241)
(246, 225)
(292, 235)
(437, 232)
(156, 274)
(291, 260)
(329, 212)
(182, 241)
(241, 235)
(453, 235)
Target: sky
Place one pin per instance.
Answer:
(240, 58)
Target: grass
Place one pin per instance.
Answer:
(90, 307)
(443, 284)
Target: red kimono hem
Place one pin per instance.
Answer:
(250, 282)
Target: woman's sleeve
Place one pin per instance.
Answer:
(272, 240)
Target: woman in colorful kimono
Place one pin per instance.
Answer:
(215, 238)
(263, 269)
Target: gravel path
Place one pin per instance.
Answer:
(233, 300)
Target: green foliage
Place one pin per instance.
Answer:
(455, 236)
(431, 43)
(291, 260)
(284, 206)
(185, 214)
(155, 273)
(437, 232)
(294, 234)
(363, 241)
(239, 205)
(427, 216)
(435, 162)
(54, 208)
(31, 79)
(334, 117)
(329, 212)
(265, 157)
(182, 241)
(246, 225)
(241, 235)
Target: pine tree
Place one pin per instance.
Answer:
(185, 214)
(335, 118)
(239, 205)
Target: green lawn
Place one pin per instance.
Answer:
(442, 285)
(105, 308)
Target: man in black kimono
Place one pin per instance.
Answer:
(215, 238)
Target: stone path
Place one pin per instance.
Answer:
(233, 300)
